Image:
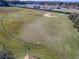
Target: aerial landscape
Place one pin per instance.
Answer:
(39, 29)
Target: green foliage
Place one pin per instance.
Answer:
(6, 53)
(73, 16)
(76, 23)
(75, 19)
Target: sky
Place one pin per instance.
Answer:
(53, 0)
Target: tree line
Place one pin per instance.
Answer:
(74, 17)
(4, 3)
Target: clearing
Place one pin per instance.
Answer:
(50, 35)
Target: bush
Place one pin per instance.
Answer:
(73, 17)
(5, 53)
(76, 23)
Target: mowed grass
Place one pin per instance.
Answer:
(20, 49)
(14, 18)
(62, 41)
(60, 36)
(64, 38)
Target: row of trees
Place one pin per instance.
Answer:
(4, 2)
(75, 19)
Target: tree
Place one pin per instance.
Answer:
(5, 53)
(76, 23)
(4, 2)
(73, 17)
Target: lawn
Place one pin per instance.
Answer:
(58, 38)
(13, 20)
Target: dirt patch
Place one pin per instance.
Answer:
(49, 15)
(4, 11)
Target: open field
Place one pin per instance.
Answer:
(13, 22)
(50, 35)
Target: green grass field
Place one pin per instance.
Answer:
(48, 37)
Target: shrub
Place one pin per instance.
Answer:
(76, 23)
(73, 17)
(5, 53)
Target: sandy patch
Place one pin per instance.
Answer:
(49, 15)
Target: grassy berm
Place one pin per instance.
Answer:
(48, 37)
